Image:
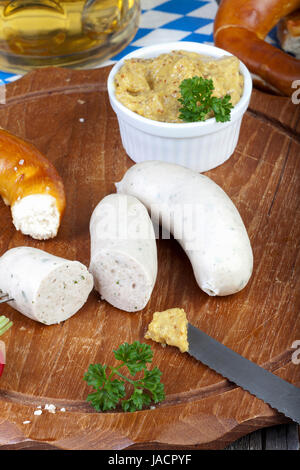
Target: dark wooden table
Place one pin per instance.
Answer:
(282, 437)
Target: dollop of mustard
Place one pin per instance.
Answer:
(151, 87)
(169, 327)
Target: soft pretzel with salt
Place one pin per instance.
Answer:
(241, 26)
(30, 184)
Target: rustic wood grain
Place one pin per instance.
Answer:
(280, 437)
(45, 364)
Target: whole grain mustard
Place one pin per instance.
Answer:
(169, 327)
(150, 87)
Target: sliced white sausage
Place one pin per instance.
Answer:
(123, 252)
(201, 217)
(45, 288)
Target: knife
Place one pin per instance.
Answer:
(279, 394)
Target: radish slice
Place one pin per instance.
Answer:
(2, 356)
(5, 324)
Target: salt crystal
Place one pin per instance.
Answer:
(38, 412)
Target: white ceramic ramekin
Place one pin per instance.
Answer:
(200, 146)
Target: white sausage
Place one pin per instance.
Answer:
(45, 288)
(123, 252)
(201, 217)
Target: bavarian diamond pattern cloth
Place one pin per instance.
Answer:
(168, 20)
(176, 20)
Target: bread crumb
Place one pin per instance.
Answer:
(50, 408)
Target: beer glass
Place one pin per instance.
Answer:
(74, 33)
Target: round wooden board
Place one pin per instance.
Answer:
(46, 364)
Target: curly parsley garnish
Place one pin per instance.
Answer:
(110, 390)
(197, 101)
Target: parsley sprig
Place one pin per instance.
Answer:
(197, 101)
(110, 390)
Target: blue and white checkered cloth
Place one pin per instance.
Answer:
(168, 20)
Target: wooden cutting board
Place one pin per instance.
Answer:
(67, 115)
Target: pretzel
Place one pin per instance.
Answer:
(241, 26)
(30, 184)
(288, 33)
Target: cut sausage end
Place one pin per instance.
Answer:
(44, 287)
(66, 287)
(36, 215)
(123, 252)
(121, 280)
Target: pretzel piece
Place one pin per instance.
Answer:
(241, 26)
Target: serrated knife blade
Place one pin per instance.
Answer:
(278, 393)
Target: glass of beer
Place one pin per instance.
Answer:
(66, 33)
